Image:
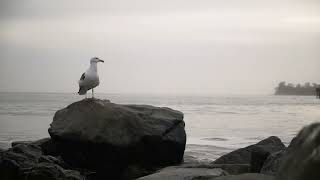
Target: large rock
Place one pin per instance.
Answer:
(302, 158)
(243, 155)
(109, 138)
(246, 177)
(26, 161)
(272, 164)
(180, 173)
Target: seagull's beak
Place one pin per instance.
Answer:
(101, 60)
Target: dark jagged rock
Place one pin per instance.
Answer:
(26, 161)
(15, 143)
(107, 137)
(51, 171)
(272, 164)
(258, 157)
(261, 150)
(246, 177)
(46, 144)
(181, 173)
(302, 158)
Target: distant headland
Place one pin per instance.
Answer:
(307, 89)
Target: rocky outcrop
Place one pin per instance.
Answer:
(244, 155)
(272, 164)
(182, 173)
(110, 138)
(27, 161)
(246, 177)
(302, 158)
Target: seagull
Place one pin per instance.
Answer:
(90, 79)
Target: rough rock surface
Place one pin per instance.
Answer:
(302, 158)
(46, 144)
(232, 169)
(246, 177)
(180, 173)
(258, 157)
(26, 161)
(107, 137)
(272, 164)
(243, 155)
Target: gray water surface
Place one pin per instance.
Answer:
(214, 124)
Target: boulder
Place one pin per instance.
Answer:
(246, 177)
(180, 173)
(26, 161)
(302, 158)
(244, 155)
(108, 138)
(272, 164)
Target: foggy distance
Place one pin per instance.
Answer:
(175, 47)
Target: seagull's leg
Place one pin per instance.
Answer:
(92, 93)
(86, 96)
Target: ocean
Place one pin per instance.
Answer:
(215, 124)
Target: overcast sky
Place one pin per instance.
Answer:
(159, 46)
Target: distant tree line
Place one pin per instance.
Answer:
(307, 89)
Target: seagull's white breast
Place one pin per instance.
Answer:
(91, 79)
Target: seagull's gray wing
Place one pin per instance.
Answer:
(82, 89)
(83, 76)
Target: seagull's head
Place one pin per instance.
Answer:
(95, 60)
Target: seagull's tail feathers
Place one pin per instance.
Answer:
(82, 90)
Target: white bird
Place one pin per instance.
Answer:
(90, 79)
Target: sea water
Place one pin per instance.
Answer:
(215, 124)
